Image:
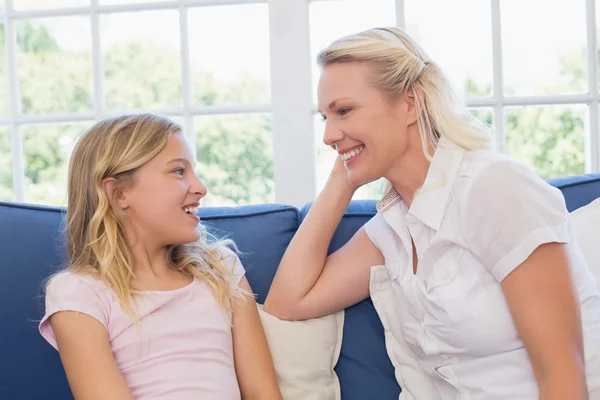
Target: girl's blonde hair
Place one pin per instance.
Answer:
(398, 66)
(96, 243)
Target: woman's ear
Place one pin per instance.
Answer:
(412, 97)
(111, 189)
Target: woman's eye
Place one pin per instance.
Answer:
(323, 118)
(179, 171)
(344, 111)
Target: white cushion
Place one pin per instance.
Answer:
(304, 354)
(587, 230)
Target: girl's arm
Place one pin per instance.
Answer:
(253, 362)
(87, 358)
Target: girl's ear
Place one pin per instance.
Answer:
(110, 188)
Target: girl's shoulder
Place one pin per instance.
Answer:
(76, 292)
(69, 279)
(76, 285)
(231, 262)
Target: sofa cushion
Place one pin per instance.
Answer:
(261, 233)
(586, 221)
(30, 249)
(578, 190)
(364, 369)
(305, 354)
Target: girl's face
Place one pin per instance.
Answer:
(161, 205)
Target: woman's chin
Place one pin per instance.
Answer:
(357, 179)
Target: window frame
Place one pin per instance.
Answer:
(291, 108)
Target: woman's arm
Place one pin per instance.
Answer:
(545, 309)
(519, 227)
(253, 362)
(308, 284)
(87, 358)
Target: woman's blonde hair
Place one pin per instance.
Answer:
(96, 242)
(399, 65)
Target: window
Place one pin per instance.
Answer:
(240, 76)
(204, 64)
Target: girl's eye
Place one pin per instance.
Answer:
(179, 171)
(323, 118)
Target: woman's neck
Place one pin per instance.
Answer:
(409, 174)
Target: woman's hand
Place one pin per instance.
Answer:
(339, 175)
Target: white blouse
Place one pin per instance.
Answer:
(449, 332)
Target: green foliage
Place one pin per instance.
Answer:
(235, 156)
(47, 149)
(549, 139)
(142, 75)
(6, 192)
(234, 152)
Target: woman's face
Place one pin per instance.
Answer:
(368, 130)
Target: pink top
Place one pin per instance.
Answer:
(183, 347)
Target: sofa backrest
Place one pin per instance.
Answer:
(31, 249)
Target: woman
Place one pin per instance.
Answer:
(484, 292)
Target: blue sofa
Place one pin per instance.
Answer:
(31, 249)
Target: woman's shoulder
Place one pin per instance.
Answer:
(482, 162)
(492, 172)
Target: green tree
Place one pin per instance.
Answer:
(549, 139)
(234, 153)
(6, 192)
(231, 150)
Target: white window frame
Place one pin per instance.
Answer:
(292, 109)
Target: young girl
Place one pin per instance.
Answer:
(148, 308)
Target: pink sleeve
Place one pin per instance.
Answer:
(233, 264)
(70, 292)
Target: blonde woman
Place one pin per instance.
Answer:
(470, 261)
(148, 307)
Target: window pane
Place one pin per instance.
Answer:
(582, 72)
(235, 159)
(549, 139)
(142, 66)
(326, 158)
(484, 114)
(111, 2)
(459, 42)
(6, 181)
(4, 107)
(549, 56)
(55, 65)
(229, 54)
(330, 20)
(47, 150)
(45, 4)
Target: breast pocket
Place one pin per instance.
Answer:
(455, 293)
